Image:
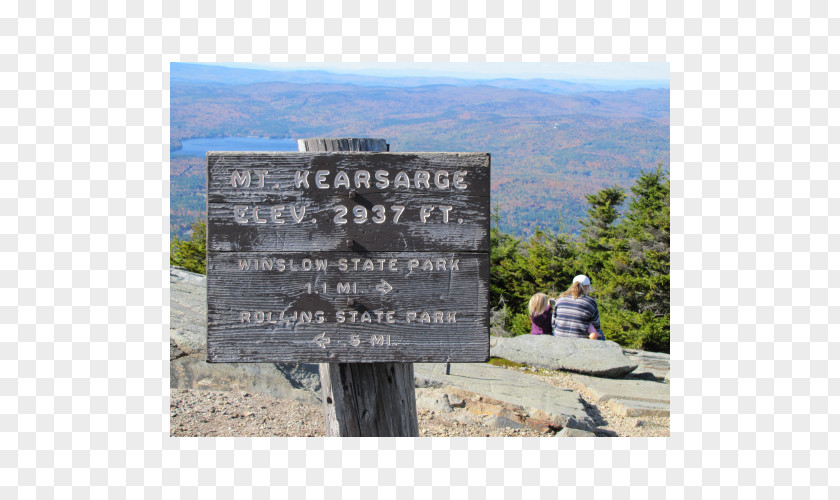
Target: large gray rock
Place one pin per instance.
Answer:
(439, 403)
(590, 357)
(570, 432)
(189, 372)
(188, 368)
(652, 365)
(540, 400)
(603, 390)
(633, 408)
(188, 312)
(498, 422)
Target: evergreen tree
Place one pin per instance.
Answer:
(600, 236)
(543, 263)
(191, 254)
(548, 262)
(627, 256)
(635, 279)
(648, 229)
(505, 268)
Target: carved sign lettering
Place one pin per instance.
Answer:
(348, 257)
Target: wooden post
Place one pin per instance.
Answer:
(365, 399)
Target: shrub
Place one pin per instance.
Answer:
(520, 324)
(656, 333)
(621, 327)
(191, 254)
(636, 330)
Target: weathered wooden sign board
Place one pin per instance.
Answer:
(348, 257)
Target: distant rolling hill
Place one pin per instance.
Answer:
(549, 148)
(223, 75)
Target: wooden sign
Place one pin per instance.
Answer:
(348, 257)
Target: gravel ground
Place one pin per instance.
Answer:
(196, 412)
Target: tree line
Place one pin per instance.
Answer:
(625, 252)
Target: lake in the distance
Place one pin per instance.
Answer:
(200, 146)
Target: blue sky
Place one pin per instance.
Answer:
(561, 71)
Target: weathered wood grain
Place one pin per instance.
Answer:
(371, 399)
(256, 301)
(264, 349)
(367, 399)
(342, 144)
(268, 210)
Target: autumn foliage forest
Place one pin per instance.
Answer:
(549, 149)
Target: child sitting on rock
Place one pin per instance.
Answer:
(540, 312)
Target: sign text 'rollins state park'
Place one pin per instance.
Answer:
(348, 257)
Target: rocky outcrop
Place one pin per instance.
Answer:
(602, 390)
(507, 394)
(629, 398)
(188, 368)
(652, 365)
(589, 357)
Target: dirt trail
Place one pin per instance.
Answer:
(196, 412)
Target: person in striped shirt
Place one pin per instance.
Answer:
(576, 313)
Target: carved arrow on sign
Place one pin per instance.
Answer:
(321, 341)
(384, 287)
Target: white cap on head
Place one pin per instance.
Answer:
(582, 279)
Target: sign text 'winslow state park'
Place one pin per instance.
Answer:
(348, 257)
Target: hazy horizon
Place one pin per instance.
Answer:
(575, 72)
